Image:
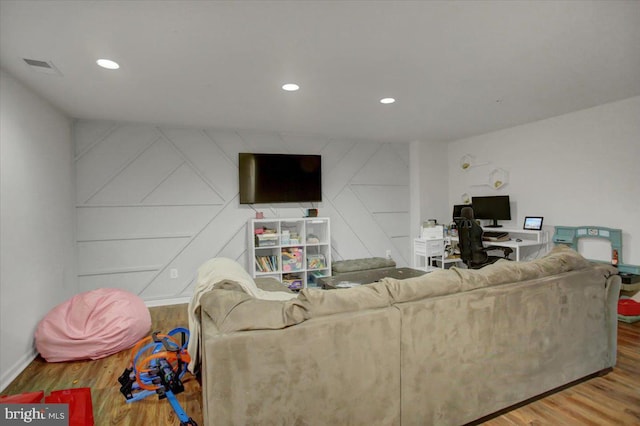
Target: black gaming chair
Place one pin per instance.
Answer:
(472, 251)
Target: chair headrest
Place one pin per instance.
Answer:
(467, 213)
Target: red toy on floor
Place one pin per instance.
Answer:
(628, 307)
(78, 399)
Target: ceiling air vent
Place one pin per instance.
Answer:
(45, 67)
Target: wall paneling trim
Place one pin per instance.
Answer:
(154, 203)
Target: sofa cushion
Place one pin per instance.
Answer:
(436, 283)
(439, 283)
(271, 284)
(560, 259)
(323, 302)
(233, 310)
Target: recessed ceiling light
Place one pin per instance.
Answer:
(108, 64)
(290, 87)
(387, 100)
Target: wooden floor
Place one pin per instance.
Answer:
(109, 406)
(613, 399)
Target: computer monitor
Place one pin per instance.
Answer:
(494, 208)
(457, 209)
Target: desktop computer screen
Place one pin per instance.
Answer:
(494, 208)
(457, 209)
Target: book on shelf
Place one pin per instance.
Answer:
(267, 263)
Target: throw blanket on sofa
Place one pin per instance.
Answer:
(213, 272)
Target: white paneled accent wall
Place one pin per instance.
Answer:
(154, 200)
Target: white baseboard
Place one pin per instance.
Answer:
(167, 302)
(17, 368)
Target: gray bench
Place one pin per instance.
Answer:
(365, 271)
(357, 265)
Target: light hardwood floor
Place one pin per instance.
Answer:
(613, 399)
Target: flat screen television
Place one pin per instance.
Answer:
(279, 178)
(494, 208)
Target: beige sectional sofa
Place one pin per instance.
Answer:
(446, 348)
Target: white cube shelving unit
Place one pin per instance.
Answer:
(295, 251)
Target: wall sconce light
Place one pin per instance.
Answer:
(466, 161)
(498, 178)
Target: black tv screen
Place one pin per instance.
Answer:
(279, 178)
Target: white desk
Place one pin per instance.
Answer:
(515, 245)
(529, 239)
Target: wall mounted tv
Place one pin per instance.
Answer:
(279, 178)
(495, 208)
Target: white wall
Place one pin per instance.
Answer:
(434, 180)
(37, 219)
(578, 169)
(151, 199)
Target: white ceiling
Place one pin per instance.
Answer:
(457, 68)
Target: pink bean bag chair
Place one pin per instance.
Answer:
(93, 325)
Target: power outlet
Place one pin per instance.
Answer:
(173, 273)
(388, 254)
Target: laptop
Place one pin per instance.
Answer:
(533, 223)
